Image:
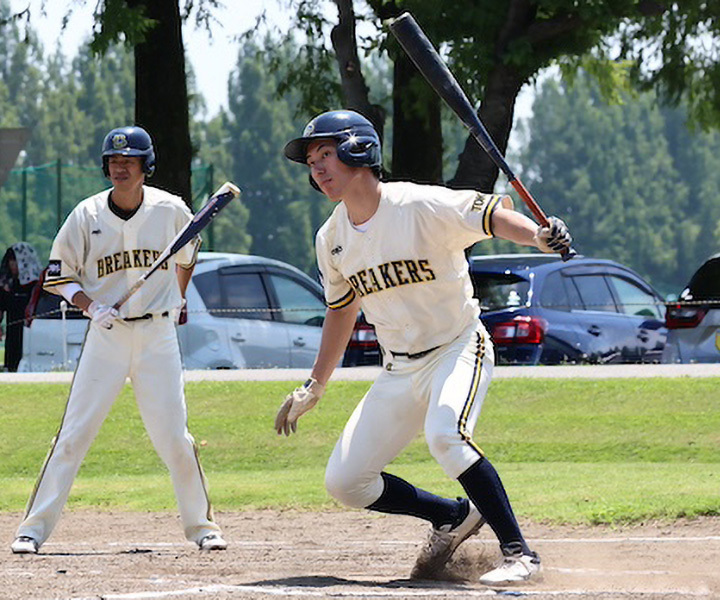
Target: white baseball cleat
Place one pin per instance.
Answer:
(212, 541)
(516, 568)
(24, 544)
(443, 541)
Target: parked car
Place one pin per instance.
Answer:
(243, 312)
(541, 310)
(693, 321)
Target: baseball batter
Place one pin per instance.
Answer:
(396, 250)
(103, 247)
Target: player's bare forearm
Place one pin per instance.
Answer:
(336, 332)
(183, 276)
(514, 226)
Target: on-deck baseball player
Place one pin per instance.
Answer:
(396, 250)
(103, 247)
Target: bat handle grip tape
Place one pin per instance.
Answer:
(568, 253)
(529, 201)
(121, 301)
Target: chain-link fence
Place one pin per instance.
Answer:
(35, 201)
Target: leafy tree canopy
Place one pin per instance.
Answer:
(631, 181)
(495, 47)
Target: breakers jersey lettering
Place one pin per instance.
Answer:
(407, 267)
(391, 274)
(127, 259)
(105, 265)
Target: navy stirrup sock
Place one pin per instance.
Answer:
(484, 488)
(402, 498)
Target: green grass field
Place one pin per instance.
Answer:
(587, 451)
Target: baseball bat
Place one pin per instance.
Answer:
(421, 51)
(207, 213)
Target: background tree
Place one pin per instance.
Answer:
(13, 65)
(21, 73)
(153, 29)
(630, 179)
(696, 157)
(106, 94)
(284, 211)
(229, 230)
(633, 182)
(495, 47)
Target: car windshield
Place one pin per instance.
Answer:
(497, 291)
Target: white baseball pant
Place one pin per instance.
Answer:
(147, 352)
(442, 391)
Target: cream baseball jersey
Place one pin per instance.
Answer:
(408, 267)
(106, 255)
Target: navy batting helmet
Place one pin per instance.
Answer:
(358, 144)
(129, 141)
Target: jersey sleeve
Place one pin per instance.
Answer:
(67, 256)
(187, 255)
(464, 217)
(338, 292)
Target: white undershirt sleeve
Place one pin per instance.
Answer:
(68, 290)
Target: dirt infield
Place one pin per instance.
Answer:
(348, 554)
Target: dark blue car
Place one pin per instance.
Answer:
(541, 310)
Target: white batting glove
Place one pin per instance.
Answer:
(296, 404)
(181, 315)
(553, 238)
(102, 314)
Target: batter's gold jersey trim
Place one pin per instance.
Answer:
(487, 219)
(470, 400)
(61, 281)
(344, 301)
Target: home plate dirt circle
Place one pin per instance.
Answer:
(348, 554)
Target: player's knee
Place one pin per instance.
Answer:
(175, 451)
(71, 444)
(176, 456)
(348, 488)
(442, 443)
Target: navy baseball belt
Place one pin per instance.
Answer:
(414, 355)
(147, 316)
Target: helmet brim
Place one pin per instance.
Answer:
(126, 152)
(296, 149)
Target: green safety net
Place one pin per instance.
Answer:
(35, 201)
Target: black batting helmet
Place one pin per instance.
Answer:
(358, 142)
(129, 141)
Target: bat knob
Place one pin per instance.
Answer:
(568, 253)
(228, 187)
(406, 16)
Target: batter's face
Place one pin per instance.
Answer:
(331, 174)
(126, 172)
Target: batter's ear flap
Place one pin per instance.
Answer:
(315, 186)
(149, 163)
